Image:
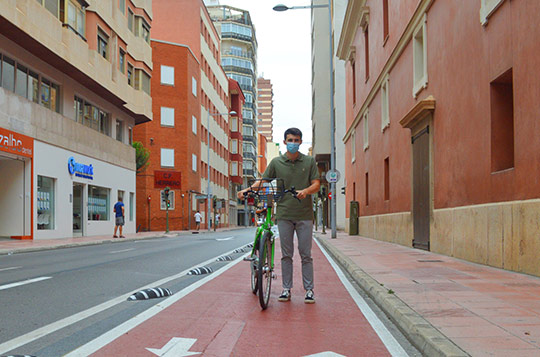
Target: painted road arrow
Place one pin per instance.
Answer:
(326, 354)
(176, 347)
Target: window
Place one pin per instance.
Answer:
(131, 206)
(487, 8)
(366, 129)
(122, 6)
(52, 6)
(167, 75)
(367, 189)
(385, 117)
(45, 203)
(353, 68)
(103, 41)
(194, 124)
(119, 130)
(78, 109)
(420, 58)
(50, 95)
(21, 81)
(167, 116)
(167, 157)
(33, 87)
(171, 200)
(130, 135)
(387, 179)
(130, 79)
(366, 46)
(502, 122)
(248, 130)
(131, 20)
(234, 146)
(194, 162)
(247, 114)
(91, 116)
(353, 145)
(385, 20)
(98, 203)
(8, 73)
(234, 168)
(234, 124)
(75, 17)
(122, 61)
(194, 86)
(142, 81)
(142, 29)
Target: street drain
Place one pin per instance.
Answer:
(200, 271)
(430, 261)
(224, 258)
(150, 294)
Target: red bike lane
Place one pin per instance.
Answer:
(223, 318)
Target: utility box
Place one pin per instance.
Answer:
(353, 218)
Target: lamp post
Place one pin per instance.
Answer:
(282, 7)
(208, 195)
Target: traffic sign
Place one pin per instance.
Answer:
(333, 176)
(330, 195)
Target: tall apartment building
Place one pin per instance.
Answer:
(75, 80)
(265, 107)
(239, 61)
(320, 114)
(190, 134)
(441, 147)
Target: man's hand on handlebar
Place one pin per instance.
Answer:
(302, 194)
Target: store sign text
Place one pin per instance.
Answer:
(15, 143)
(80, 170)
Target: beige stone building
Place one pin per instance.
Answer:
(75, 80)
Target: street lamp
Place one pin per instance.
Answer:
(280, 8)
(208, 161)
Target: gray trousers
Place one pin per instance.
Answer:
(304, 232)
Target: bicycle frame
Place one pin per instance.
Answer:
(263, 228)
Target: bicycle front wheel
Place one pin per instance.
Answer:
(264, 271)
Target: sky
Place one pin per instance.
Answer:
(284, 57)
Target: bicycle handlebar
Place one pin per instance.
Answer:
(292, 191)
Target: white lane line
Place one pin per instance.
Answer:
(60, 324)
(10, 268)
(227, 238)
(121, 251)
(380, 329)
(24, 282)
(111, 335)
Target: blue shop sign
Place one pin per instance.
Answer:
(80, 170)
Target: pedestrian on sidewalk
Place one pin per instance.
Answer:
(119, 217)
(300, 171)
(198, 218)
(216, 225)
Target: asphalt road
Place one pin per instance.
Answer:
(83, 278)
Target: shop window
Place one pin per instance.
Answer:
(45, 203)
(167, 75)
(131, 206)
(171, 199)
(167, 116)
(98, 203)
(167, 157)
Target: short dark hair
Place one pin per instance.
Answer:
(292, 131)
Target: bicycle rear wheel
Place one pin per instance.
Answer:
(254, 265)
(264, 270)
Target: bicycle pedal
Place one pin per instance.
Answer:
(249, 259)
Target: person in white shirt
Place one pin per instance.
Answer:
(198, 218)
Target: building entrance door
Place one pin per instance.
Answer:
(78, 218)
(421, 189)
(14, 206)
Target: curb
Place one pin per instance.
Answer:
(424, 336)
(96, 242)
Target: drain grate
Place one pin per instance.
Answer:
(430, 261)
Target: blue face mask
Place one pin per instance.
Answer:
(293, 147)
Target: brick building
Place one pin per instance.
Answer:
(442, 146)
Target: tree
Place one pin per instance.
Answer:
(142, 155)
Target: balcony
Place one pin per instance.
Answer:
(248, 121)
(246, 87)
(249, 172)
(250, 139)
(235, 53)
(250, 155)
(236, 36)
(239, 70)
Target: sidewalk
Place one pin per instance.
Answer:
(10, 246)
(445, 305)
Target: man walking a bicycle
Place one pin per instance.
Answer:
(294, 215)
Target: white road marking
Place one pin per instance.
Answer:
(176, 347)
(10, 268)
(121, 251)
(228, 238)
(60, 324)
(24, 282)
(111, 335)
(386, 337)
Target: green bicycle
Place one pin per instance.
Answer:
(262, 253)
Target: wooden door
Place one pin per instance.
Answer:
(421, 189)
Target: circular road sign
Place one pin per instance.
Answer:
(333, 176)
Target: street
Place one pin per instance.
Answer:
(80, 306)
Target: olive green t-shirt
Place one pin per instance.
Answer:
(298, 173)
